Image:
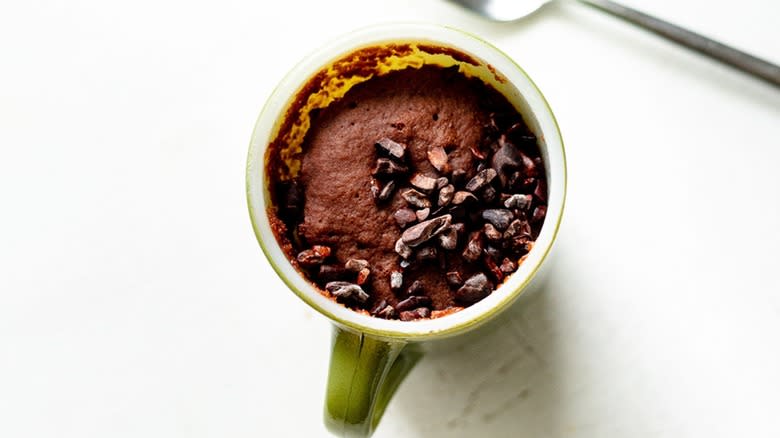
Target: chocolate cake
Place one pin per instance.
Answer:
(419, 192)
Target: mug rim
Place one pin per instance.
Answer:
(275, 108)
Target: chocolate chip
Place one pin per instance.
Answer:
(539, 213)
(404, 216)
(386, 192)
(489, 194)
(415, 288)
(411, 315)
(458, 176)
(445, 195)
(332, 272)
(426, 253)
(454, 279)
(424, 231)
(422, 214)
(508, 266)
(474, 289)
(390, 148)
(363, 276)
(441, 182)
(314, 256)
(344, 290)
(492, 251)
(438, 158)
(481, 179)
(378, 307)
(422, 182)
(416, 198)
(413, 302)
(491, 232)
(388, 168)
(396, 280)
(402, 249)
(448, 238)
(463, 197)
(356, 265)
(474, 247)
(499, 217)
(521, 202)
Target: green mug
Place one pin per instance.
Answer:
(371, 356)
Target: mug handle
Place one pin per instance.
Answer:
(364, 373)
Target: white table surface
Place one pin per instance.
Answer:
(135, 301)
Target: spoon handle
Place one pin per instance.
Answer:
(726, 54)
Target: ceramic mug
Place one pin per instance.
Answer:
(370, 356)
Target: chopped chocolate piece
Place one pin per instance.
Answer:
(391, 149)
(445, 195)
(480, 180)
(517, 228)
(355, 265)
(375, 187)
(396, 280)
(491, 232)
(521, 202)
(404, 216)
(494, 252)
(413, 302)
(504, 161)
(441, 182)
(438, 158)
(422, 214)
(474, 247)
(529, 166)
(422, 182)
(387, 313)
(508, 266)
(418, 313)
(388, 168)
(415, 288)
(499, 217)
(383, 310)
(363, 276)
(540, 191)
(402, 249)
(489, 194)
(454, 279)
(459, 227)
(416, 198)
(539, 213)
(314, 256)
(344, 290)
(493, 268)
(477, 152)
(458, 176)
(426, 253)
(332, 272)
(448, 238)
(292, 198)
(386, 192)
(474, 289)
(424, 231)
(464, 198)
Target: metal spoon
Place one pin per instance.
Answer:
(510, 10)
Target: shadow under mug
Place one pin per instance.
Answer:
(370, 356)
